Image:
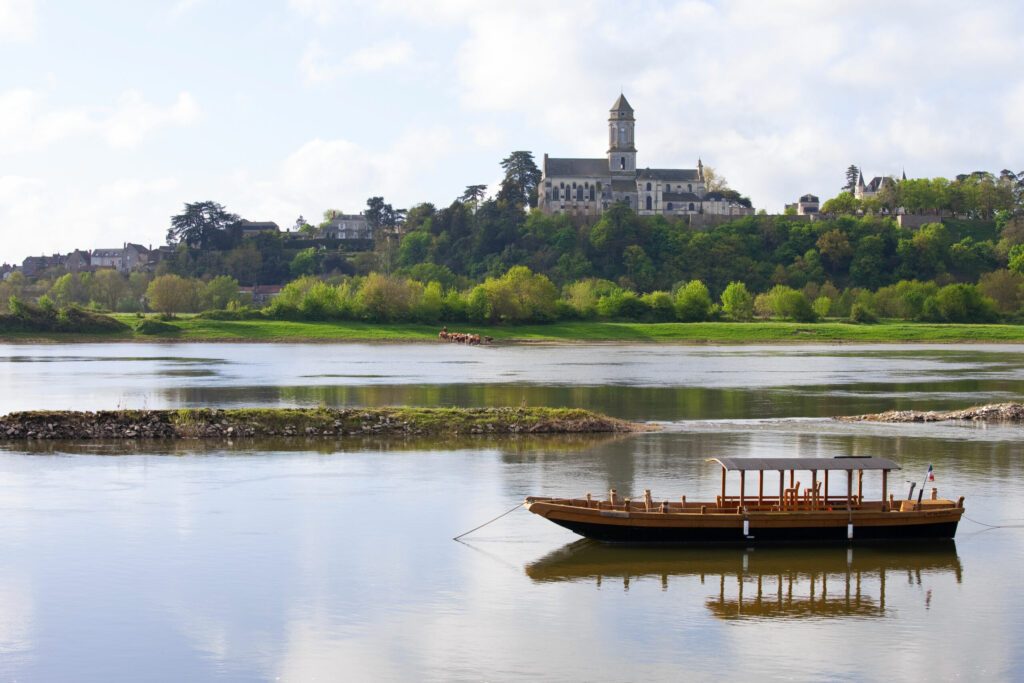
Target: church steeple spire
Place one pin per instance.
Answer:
(621, 143)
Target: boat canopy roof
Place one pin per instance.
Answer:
(842, 463)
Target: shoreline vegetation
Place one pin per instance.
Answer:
(192, 329)
(211, 423)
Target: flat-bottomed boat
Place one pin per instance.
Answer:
(793, 514)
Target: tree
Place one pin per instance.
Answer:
(693, 303)
(519, 186)
(1005, 288)
(306, 262)
(842, 203)
(380, 214)
(713, 181)
(852, 173)
(171, 294)
(219, 292)
(107, 287)
(474, 194)
(199, 224)
(737, 302)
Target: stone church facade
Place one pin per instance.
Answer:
(586, 187)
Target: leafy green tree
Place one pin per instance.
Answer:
(414, 248)
(821, 306)
(843, 203)
(306, 262)
(660, 305)
(171, 294)
(107, 287)
(960, 303)
(737, 302)
(519, 186)
(1005, 288)
(219, 292)
(693, 302)
(786, 302)
(200, 224)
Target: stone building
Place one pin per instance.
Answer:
(586, 187)
(347, 227)
(807, 205)
(862, 190)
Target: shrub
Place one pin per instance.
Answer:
(152, 326)
(737, 302)
(859, 313)
(693, 303)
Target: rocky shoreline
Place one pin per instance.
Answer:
(993, 412)
(212, 423)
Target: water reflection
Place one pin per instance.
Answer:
(633, 381)
(782, 583)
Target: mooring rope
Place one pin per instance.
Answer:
(995, 526)
(507, 512)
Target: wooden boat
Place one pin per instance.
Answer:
(807, 514)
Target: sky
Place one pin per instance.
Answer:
(114, 114)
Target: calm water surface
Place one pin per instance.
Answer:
(297, 560)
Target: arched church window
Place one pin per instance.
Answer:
(649, 202)
(579, 194)
(670, 206)
(689, 187)
(648, 187)
(622, 163)
(591, 194)
(622, 135)
(691, 206)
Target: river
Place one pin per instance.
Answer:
(323, 560)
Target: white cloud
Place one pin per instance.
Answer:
(94, 214)
(27, 123)
(342, 174)
(133, 118)
(17, 20)
(316, 66)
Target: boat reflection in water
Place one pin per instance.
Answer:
(769, 582)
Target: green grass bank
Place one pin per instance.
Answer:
(192, 329)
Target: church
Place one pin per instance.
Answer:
(586, 187)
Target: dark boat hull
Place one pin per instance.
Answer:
(621, 533)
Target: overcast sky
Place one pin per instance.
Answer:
(113, 114)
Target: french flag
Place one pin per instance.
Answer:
(931, 473)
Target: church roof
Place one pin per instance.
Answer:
(622, 105)
(575, 167)
(679, 197)
(669, 174)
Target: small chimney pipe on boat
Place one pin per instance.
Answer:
(935, 493)
(647, 500)
(589, 499)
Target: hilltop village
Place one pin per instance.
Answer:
(596, 237)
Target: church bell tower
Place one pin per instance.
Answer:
(621, 143)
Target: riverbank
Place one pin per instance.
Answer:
(993, 412)
(286, 422)
(193, 329)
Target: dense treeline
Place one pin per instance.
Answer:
(648, 253)
(972, 195)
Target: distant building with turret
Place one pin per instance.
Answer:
(589, 186)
